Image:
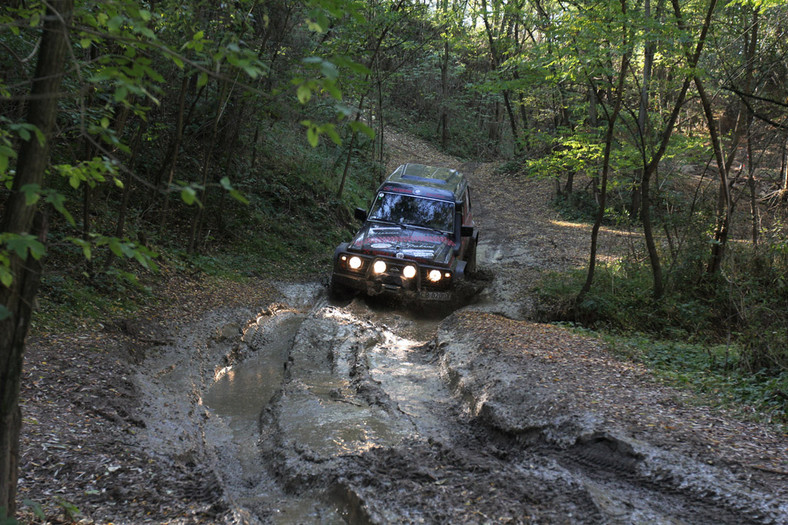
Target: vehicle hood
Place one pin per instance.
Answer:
(404, 242)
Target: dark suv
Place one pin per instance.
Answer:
(418, 239)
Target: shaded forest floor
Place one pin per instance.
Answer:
(82, 458)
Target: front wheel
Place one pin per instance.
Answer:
(338, 291)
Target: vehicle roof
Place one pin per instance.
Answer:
(427, 181)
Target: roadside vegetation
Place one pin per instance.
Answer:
(233, 141)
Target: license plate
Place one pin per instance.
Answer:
(435, 296)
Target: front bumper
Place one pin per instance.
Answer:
(392, 281)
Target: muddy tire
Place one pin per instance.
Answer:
(338, 291)
(470, 266)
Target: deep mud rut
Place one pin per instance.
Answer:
(359, 413)
(308, 411)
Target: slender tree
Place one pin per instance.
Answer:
(626, 42)
(21, 217)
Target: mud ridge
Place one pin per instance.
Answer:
(534, 418)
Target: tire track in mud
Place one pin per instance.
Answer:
(402, 450)
(377, 421)
(630, 481)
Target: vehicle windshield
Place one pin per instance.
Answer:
(413, 211)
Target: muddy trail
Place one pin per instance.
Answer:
(292, 409)
(359, 414)
(309, 411)
(362, 413)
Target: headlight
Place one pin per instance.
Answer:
(434, 275)
(409, 272)
(354, 263)
(379, 267)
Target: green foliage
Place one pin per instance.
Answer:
(722, 335)
(713, 371)
(70, 511)
(69, 301)
(36, 508)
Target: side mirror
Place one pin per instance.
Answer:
(360, 214)
(466, 231)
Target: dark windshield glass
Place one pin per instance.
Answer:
(415, 211)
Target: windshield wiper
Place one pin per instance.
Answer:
(384, 221)
(436, 230)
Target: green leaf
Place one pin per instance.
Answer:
(24, 244)
(330, 130)
(115, 247)
(188, 195)
(32, 193)
(304, 93)
(240, 197)
(359, 126)
(5, 313)
(202, 79)
(312, 136)
(314, 26)
(87, 249)
(333, 90)
(6, 278)
(115, 23)
(329, 70)
(120, 94)
(140, 258)
(58, 201)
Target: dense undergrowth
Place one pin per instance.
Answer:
(287, 230)
(723, 335)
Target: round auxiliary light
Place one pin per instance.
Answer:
(409, 272)
(354, 262)
(379, 267)
(434, 275)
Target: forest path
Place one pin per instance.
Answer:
(370, 414)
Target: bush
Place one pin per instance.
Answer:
(724, 334)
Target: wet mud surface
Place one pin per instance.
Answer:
(302, 410)
(361, 413)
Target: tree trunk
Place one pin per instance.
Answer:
(444, 119)
(124, 201)
(172, 158)
(21, 218)
(785, 166)
(752, 46)
(725, 202)
(609, 136)
(611, 125)
(206, 166)
(496, 62)
(651, 167)
(643, 131)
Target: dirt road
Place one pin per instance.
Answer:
(302, 411)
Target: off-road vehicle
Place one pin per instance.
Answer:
(418, 240)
